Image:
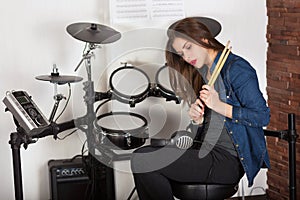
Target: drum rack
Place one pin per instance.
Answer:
(92, 34)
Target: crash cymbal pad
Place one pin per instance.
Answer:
(93, 33)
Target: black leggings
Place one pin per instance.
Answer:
(152, 168)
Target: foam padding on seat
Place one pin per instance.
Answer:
(196, 191)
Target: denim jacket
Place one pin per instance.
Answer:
(249, 115)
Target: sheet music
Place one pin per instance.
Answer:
(123, 11)
(167, 9)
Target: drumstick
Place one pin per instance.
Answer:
(219, 64)
(220, 67)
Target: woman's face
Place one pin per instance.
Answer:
(192, 53)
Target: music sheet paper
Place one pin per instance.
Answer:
(122, 11)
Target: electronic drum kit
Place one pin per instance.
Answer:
(104, 130)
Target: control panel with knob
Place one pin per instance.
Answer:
(24, 110)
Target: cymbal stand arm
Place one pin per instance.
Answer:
(84, 56)
(88, 54)
(57, 98)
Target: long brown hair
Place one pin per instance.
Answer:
(185, 79)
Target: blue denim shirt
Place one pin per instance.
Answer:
(249, 115)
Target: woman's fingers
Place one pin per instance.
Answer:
(199, 106)
(209, 96)
(196, 111)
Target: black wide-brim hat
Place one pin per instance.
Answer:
(212, 25)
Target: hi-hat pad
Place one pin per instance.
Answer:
(59, 79)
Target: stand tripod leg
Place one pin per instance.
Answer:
(15, 142)
(292, 137)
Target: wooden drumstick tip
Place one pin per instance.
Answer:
(220, 64)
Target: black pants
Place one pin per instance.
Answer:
(152, 168)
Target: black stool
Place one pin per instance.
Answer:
(193, 191)
(196, 191)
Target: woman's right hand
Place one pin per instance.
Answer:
(196, 112)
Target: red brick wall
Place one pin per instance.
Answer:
(283, 89)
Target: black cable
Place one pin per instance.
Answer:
(93, 178)
(82, 149)
(73, 158)
(67, 135)
(85, 165)
(67, 102)
(101, 104)
(131, 193)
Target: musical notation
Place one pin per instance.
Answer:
(140, 10)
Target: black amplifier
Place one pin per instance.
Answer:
(70, 179)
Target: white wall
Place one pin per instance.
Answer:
(33, 37)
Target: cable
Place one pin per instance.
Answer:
(82, 148)
(99, 106)
(67, 135)
(131, 193)
(67, 102)
(72, 159)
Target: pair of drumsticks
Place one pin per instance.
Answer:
(219, 64)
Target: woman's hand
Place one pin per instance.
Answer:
(196, 112)
(211, 99)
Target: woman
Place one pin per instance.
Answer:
(229, 115)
